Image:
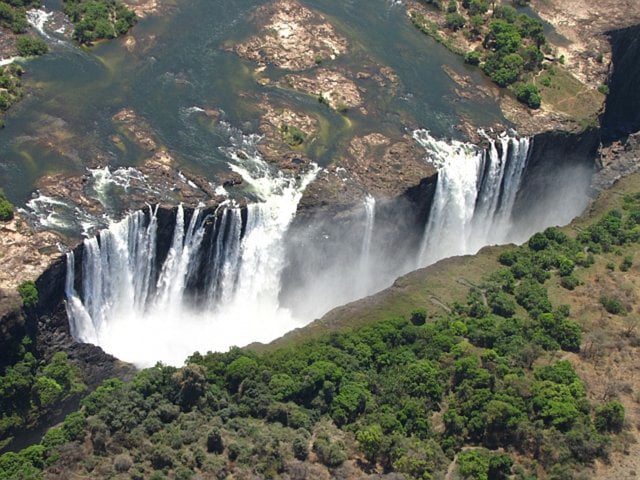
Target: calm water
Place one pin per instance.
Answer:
(180, 62)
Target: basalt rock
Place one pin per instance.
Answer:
(622, 111)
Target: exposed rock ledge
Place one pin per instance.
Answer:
(373, 164)
(584, 24)
(291, 37)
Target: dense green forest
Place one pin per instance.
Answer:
(13, 16)
(481, 384)
(509, 44)
(98, 19)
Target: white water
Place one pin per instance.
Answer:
(38, 18)
(138, 320)
(62, 215)
(474, 196)
(210, 295)
(7, 61)
(364, 270)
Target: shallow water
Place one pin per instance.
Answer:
(180, 62)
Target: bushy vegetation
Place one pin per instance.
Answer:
(29, 293)
(98, 19)
(481, 383)
(6, 207)
(10, 93)
(528, 94)
(29, 391)
(30, 46)
(12, 14)
(509, 43)
(292, 135)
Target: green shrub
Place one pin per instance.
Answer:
(472, 57)
(74, 425)
(419, 317)
(626, 264)
(162, 457)
(529, 94)
(331, 454)
(478, 7)
(292, 135)
(29, 46)
(610, 417)
(54, 437)
(613, 305)
(454, 21)
(569, 282)
(122, 463)
(483, 465)
(300, 448)
(603, 89)
(6, 207)
(29, 293)
(508, 258)
(502, 304)
(505, 12)
(538, 241)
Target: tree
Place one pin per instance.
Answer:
(472, 58)
(454, 21)
(529, 94)
(29, 46)
(350, 401)
(478, 7)
(421, 379)
(29, 293)
(505, 12)
(215, 443)
(370, 440)
(610, 417)
(241, 368)
(419, 317)
(6, 207)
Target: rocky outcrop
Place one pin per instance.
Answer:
(24, 252)
(622, 110)
(292, 37)
(617, 160)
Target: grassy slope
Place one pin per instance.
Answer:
(442, 283)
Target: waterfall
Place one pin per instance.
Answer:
(474, 196)
(214, 280)
(217, 285)
(364, 270)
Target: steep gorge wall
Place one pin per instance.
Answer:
(622, 110)
(557, 176)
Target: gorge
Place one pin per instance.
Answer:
(199, 186)
(207, 279)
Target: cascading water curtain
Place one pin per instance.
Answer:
(475, 194)
(203, 296)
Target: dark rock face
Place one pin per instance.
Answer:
(12, 326)
(48, 326)
(557, 176)
(324, 247)
(622, 110)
